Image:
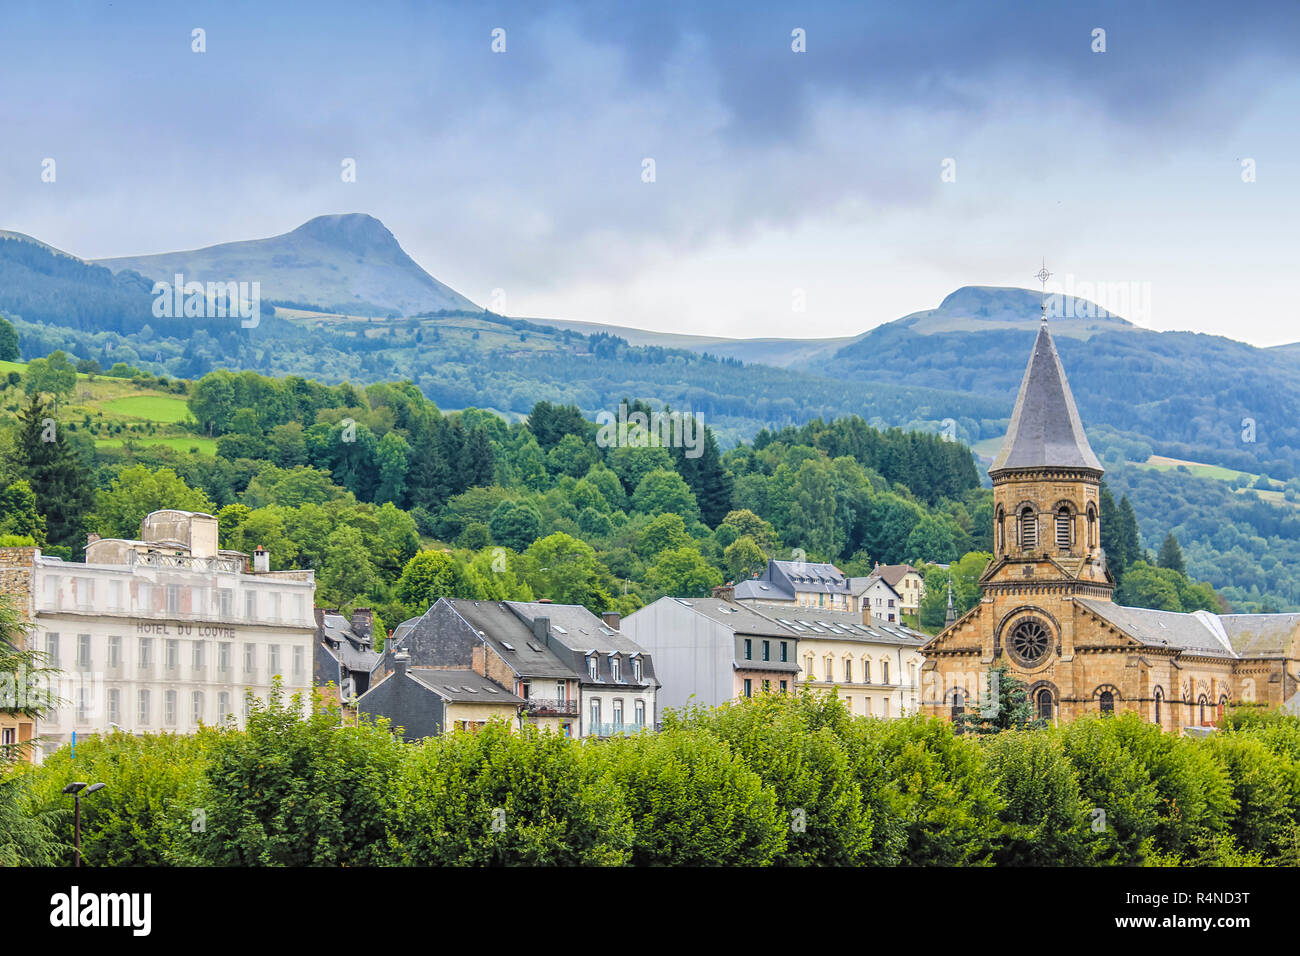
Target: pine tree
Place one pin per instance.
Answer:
(1003, 705)
(55, 472)
(480, 459)
(1129, 538)
(1171, 555)
(1112, 543)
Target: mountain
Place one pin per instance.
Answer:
(347, 263)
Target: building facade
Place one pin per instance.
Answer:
(904, 580)
(1047, 608)
(162, 633)
(796, 584)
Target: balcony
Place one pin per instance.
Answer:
(614, 730)
(180, 562)
(550, 707)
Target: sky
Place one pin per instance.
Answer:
(910, 149)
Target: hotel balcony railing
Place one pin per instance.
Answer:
(180, 562)
(548, 707)
(613, 730)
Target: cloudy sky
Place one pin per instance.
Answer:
(774, 171)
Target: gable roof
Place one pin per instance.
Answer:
(1045, 429)
(1261, 635)
(352, 652)
(1200, 634)
(740, 618)
(462, 686)
(494, 623)
(892, 574)
(806, 622)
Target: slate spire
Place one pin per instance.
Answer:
(1045, 428)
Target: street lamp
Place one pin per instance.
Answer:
(75, 790)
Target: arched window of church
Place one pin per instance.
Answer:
(1160, 699)
(1045, 704)
(1002, 529)
(1107, 702)
(958, 703)
(1201, 704)
(1028, 528)
(1064, 528)
(1092, 526)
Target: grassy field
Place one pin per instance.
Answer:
(155, 408)
(205, 446)
(1197, 468)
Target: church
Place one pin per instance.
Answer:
(1047, 611)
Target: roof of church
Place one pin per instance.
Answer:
(1045, 427)
(1202, 633)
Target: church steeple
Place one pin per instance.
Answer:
(951, 616)
(1045, 429)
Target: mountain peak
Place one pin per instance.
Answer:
(353, 231)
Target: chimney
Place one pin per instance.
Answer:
(363, 622)
(401, 660)
(261, 560)
(320, 617)
(542, 630)
(866, 611)
(611, 619)
(725, 592)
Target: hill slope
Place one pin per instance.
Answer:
(346, 263)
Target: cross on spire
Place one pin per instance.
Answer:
(1042, 275)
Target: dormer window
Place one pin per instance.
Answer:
(1028, 528)
(593, 662)
(614, 667)
(636, 669)
(1064, 528)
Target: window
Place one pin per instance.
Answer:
(275, 605)
(1064, 528)
(173, 654)
(848, 671)
(52, 650)
(1092, 526)
(250, 605)
(1107, 701)
(592, 665)
(808, 667)
(749, 649)
(614, 668)
(197, 655)
(142, 707)
(144, 595)
(866, 672)
(85, 590)
(848, 704)
(223, 657)
(83, 703)
(250, 658)
(297, 661)
(83, 650)
(1045, 704)
(1160, 699)
(1028, 528)
(1029, 641)
(639, 711)
(146, 653)
(884, 707)
(173, 599)
(225, 603)
(297, 607)
(958, 703)
(1201, 703)
(196, 708)
(223, 705)
(561, 690)
(785, 651)
(749, 687)
(114, 706)
(169, 708)
(784, 686)
(273, 659)
(767, 650)
(884, 672)
(617, 712)
(767, 687)
(595, 714)
(114, 651)
(636, 669)
(830, 668)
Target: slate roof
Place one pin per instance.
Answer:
(860, 586)
(511, 638)
(574, 631)
(1200, 634)
(1261, 635)
(756, 589)
(351, 652)
(807, 622)
(462, 686)
(893, 573)
(742, 619)
(1045, 427)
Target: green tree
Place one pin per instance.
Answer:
(297, 791)
(9, 351)
(515, 525)
(392, 455)
(662, 533)
(18, 513)
(428, 576)
(663, 490)
(683, 572)
(136, 492)
(743, 557)
(693, 801)
(1171, 555)
(565, 569)
(54, 376)
(348, 573)
(1044, 819)
(47, 461)
(747, 523)
(1003, 704)
(497, 798)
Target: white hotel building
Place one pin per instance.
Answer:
(162, 633)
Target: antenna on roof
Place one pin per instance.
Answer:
(1042, 275)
